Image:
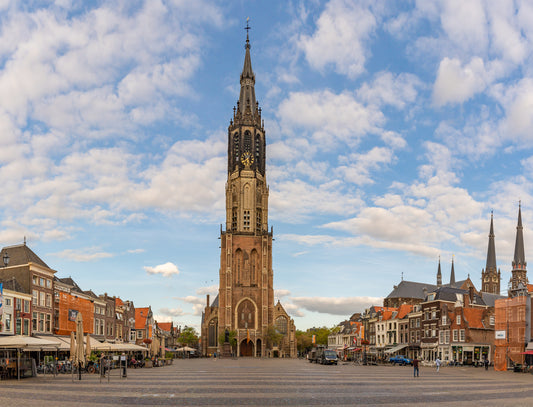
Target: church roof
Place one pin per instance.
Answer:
(411, 289)
(490, 299)
(21, 254)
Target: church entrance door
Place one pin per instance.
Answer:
(247, 348)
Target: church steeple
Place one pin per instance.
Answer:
(519, 271)
(439, 276)
(452, 276)
(246, 138)
(490, 277)
(247, 96)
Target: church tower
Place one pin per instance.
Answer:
(518, 280)
(490, 277)
(244, 307)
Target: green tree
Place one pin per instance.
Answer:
(303, 340)
(232, 338)
(274, 338)
(188, 336)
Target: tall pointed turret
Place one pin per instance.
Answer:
(490, 277)
(439, 276)
(452, 276)
(247, 100)
(519, 271)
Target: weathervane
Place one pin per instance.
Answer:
(247, 28)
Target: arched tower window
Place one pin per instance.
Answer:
(246, 315)
(253, 267)
(236, 147)
(238, 266)
(248, 141)
(213, 332)
(281, 325)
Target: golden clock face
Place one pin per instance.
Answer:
(247, 159)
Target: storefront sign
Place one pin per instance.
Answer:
(500, 335)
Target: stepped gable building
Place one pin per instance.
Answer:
(490, 276)
(245, 303)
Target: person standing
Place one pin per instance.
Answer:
(437, 363)
(415, 367)
(486, 362)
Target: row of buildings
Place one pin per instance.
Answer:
(453, 321)
(35, 302)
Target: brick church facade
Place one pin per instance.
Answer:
(245, 302)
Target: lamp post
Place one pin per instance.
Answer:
(6, 259)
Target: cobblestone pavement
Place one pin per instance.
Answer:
(278, 382)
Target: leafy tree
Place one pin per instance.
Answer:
(303, 340)
(188, 336)
(232, 338)
(274, 338)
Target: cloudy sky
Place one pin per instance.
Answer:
(392, 132)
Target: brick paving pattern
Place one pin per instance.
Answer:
(281, 382)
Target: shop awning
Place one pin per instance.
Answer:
(27, 343)
(527, 352)
(396, 348)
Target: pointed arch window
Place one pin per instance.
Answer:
(236, 147)
(247, 141)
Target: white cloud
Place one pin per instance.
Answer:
(390, 89)
(83, 255)
(280, 293)
(331, 118)
(169, 312)
(357, 167)
(293, 310)
(211, 290)
(166, 270)
(457, 84)
(338, 41)
(336, 305)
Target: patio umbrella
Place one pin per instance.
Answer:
(72, 347)
(80, 354)
(88, 347)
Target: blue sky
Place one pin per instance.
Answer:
(392, 132)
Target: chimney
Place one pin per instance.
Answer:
(208, 300)
(471, 294)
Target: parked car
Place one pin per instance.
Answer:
(400, 360)
(328, 357)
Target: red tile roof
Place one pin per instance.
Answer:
(474, 317)
(404, 310)
(165, 326)
(140, 317)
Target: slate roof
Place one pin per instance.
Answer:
(450, 294)
(13, 285)
(71, 283)
(410, 289)
(489, 298)
(215, 302)
(20, 255)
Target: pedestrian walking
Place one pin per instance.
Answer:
(438, 363)
(415, 367)
(486, 362)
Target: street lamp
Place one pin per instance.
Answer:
(6, 259)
